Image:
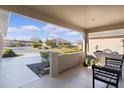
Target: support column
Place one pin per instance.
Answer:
(4, 20)
(54, 64)
(85, 42)
(1, 46)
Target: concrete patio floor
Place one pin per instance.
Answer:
(15, 73)
(77, 77)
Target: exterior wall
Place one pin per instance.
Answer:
(60, 63)
(114, 44)
(68, 61)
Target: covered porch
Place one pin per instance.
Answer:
(85, 19)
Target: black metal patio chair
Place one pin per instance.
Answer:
(114, 63)
(106, 75)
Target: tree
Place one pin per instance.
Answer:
(49, 42)
(40, 41)
(37, 43)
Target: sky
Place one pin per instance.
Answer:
(24, 28)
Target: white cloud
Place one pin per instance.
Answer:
(19, 38)
(53, 36)
(51, 31)
(72, 33)
(55, 31)
(24, 38)
(24, 28)
(49, 27)
(30, 28)
(20, 31)
(12, 29)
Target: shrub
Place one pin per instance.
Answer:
(89, 61)
(61, 46)
(39, 47)
(8, 53)
(49, 42)
(66, 50)
(44, 54)
(35, 45)
(45, 57)
(76, 48)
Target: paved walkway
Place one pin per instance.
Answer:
(15, 73)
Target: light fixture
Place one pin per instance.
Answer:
(93, 19)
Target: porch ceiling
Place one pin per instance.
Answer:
(80, 18)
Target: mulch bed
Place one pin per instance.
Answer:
(37, 67)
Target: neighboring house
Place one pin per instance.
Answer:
(44, 46)
(25, 43)
(7, 43)
(78, 43)
(10, 43)
(60, 41)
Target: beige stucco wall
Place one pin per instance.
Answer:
(62, 62)
(67, 61)
(114, 44)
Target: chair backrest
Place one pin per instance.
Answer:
(106, 75)
(114, 62)
(104, 70)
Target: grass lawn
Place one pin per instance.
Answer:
(66, 50)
